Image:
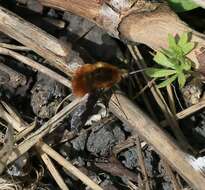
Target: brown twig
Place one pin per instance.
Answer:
(10, 116)
(184, 163)
(161, 101)
(187, 112)
(171, 99)
(14, 47)
(49, 127)
(115, 168)
(68, 166)
(129, 142)
(137, 21)
(52, 169)
(36, 66)
(46, 128)
(142, 164)
(36, 39)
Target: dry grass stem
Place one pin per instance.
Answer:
(146, 100)
(187, 112)
(14, 47)
(42, 43)
(52, 169)
(68, 166)
(36, 66)
(142, 164)
(11, 118)
(191, 110)
(129, 142)
(160, 100)
(9, 185)
(163, 143)
(171, 99)
(23, 133)
(44, 157)
(46, 128)
(7, 147)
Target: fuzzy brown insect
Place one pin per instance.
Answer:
(91, 77)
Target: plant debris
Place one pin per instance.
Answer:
(122, 132)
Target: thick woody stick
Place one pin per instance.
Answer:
(186, 165)
(132, 20)
(36, 39)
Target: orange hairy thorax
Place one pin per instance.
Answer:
(91, 77)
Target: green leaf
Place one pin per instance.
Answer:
(182, 5)
(188, 47)
(161, 59)
(178, 51)
(167, 82)
(181, 79)
(168, 52)
(172, 41)
(173, 46)
(156, 73)
(179, 68)
(183, 39)
(187, 65)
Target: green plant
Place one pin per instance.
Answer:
(175, 64)
(182, 5)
